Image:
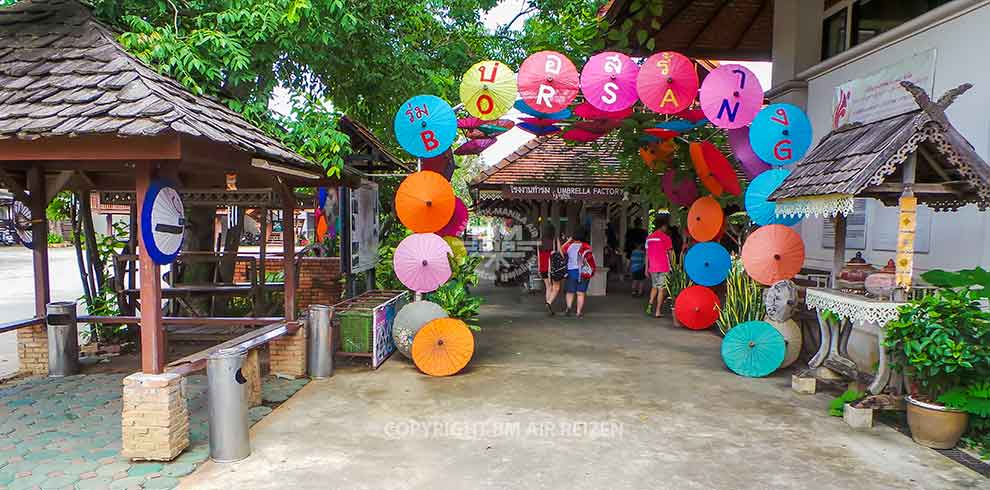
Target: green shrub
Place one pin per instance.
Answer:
(55, 239)
(837, 405)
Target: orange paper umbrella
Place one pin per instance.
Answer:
(720, 168)
(443, 347)
(773, 253)
(705, 219)
(424, 202)
(704, 173)
(649, 155)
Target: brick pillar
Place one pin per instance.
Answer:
(287, 354)
(252, 373)
(32, 349)
(155, 419)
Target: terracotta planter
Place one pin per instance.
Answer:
(935, 426)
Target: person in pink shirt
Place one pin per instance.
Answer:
(659, 251)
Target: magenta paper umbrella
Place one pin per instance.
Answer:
(474, 147)
(587, 111)
(731, 96)
(581, 135)
(682, 192)
(536, 121)
(548, 81)
(421, 263)
(750, 163)
(442, 164)
(470, 122)
(458, 222)
(667, 82)
(608, 81)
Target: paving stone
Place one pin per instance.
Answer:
(59, 482)
(128, 483)
(161, 483)
(144, 469)
(6, 476)
(26, 482)
(98, 483)
(80, 468)
(178, 469)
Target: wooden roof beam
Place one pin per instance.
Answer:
(88, 148)
(704, 26)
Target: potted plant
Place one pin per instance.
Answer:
(941, 343)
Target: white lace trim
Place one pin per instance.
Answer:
(825, 206)
(857, 309)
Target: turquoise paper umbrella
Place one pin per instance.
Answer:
(753, 349)
(425, 126)
(758, 206)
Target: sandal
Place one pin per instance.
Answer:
(550, 309)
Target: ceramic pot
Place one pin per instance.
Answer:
(935, 426)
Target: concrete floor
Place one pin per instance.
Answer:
(616, 400)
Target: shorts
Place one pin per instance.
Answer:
(544, 275)
(638, 275)
(659, 279)
(574, 282)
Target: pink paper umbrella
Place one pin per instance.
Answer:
(548, 81)
(683, 192)
(667, 82)
(536, 121)
(588, 111)
(751, 164)
(442, 164)
(470, 122)
(474, 147)
(731, 96)
(458, 222)
(581, 135)
(608, 81)
(421, 263)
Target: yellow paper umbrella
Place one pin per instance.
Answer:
(456, 246)
(488, 89)
(443, 347)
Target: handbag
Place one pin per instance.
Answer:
(586, 271)
(558, 263)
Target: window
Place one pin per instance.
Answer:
(834, 34)
(867, 18)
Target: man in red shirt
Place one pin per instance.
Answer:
(659, 251)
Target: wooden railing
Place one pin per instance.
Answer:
(17, 324)
(250, 340)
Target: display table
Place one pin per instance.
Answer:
(848, 310)
(363, 324)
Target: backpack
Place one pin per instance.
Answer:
(558, 263)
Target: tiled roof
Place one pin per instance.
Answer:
(549, 160)
(62, 73)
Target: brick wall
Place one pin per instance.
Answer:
(32, 349)
(319, 279)
(155, 418)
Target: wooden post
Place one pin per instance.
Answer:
(262, 253)
(623, 225)
(839, 251)
(289, 251)
(555, 216)
(39, 237)
(152, 333)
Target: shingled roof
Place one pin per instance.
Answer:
(62, 73)
(549, 160)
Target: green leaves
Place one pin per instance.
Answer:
(977, 280)
(743, 299)
(837, 405)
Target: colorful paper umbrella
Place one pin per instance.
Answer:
(474, 147)
(470, 122)
(761, 210)
(456, 246)
(661, 133)
(731, 96)
(548, 81)
(442, 164)
(750, 163)
(581, 135)
(696, 307)
(443, 347)
(693, 115)
(682, 192)
(497, 126)
(539, 121)
(588, 111)
(681, 125)
(720, 168)
(780, 134)
(773, 253)
(522, 107)
(458, 221)
(598, 125)
(409, 320)
(424, 202)
(707, 263)
(608, 81)
(705, 219)
(753, 349)
(421, 262)
(538, 130)
(425, 126)
(488, 89)
(701, 168)
(667, 82)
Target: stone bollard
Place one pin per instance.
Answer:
(155, 418)
(805, 385)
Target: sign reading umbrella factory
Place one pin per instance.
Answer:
(163, 220)
(553, 193)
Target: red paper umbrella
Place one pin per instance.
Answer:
(667, 82)
(458, 222)
(475, 134)
(581, 135)
(682, 192)
(474, 147)
(693, 115)
(548, 81)
(696, 307)
(773, 253)
(469, 122)
(536, 121)
(701, 168)
(442, 164)
(662, 133)
(598, 125)
(588, 111)
(720, 168)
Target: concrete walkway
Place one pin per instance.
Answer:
(614, 401)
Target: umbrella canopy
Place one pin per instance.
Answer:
(421, 262)
(443, 347)
(707, 263)
(497, 126)
(667, 82)
(682, 192)
(488, 89)
(701, 168)
(475, 146)
(681, 125)
(538, 130)
(773, 253)
(692, 115)
(409, 320)
(608, 81)
(731, 96)
(780, 134)
(424, 202)
(475, 134)
(705, 219)
(761, 210)
(791, 331)
(661, 133)
(522, 107)
(588, 111)
(458, 221)
(598, 125)
(581, 135)
(539, 121)
(753, 349)
(720, 168)
(456, 246)
(470, 122)
(425, 126)
(442, 164)
(548, 81)
(739, 142)
(696, 307)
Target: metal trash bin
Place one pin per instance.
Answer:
(63, 339)
(319, 342)
(227, 393)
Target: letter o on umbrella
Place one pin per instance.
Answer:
(773, 253)
(696, 307)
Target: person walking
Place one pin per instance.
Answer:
(549, 261)
(580, 268)
(637, 267)
(659, 248)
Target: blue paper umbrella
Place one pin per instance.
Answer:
(529, 111)
(425, 126)
(753, 349)
(538, 130)
(762, 211)
(707, 263)
(780, 134)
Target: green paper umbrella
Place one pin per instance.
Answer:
(753, 349)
